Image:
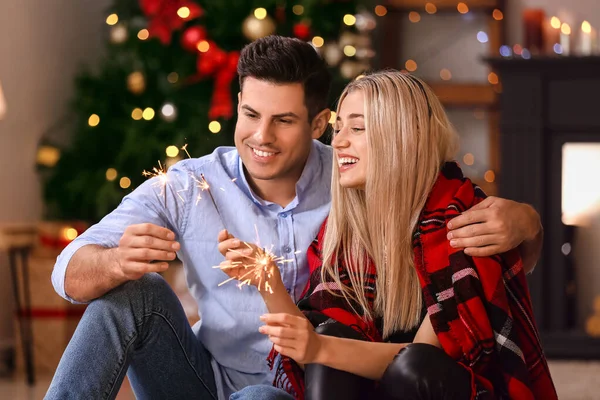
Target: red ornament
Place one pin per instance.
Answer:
(192, 36)
(302, 30)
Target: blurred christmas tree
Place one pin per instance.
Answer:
(169, 79)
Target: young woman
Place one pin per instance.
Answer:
(392, 310)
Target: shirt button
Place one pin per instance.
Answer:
(287, 249)
(283, 215)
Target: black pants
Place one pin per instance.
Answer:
(419, 371)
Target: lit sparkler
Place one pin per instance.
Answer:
(258, 268)
(162, 181)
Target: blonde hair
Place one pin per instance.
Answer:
(409, 137)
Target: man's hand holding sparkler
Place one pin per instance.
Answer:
(140, 245)
(249, 264)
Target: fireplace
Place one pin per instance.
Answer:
(550, 158)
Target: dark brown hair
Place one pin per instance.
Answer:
(281, 60)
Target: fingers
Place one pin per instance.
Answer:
(475, 241)
(467, 218)
(224, 235)
(227, 244)
(151, 230)
(286, 320)
(149, 242)
(135, 270)
(149, 255)
(239, 254)
(284, 342)
(280, 331)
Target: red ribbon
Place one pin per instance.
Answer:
(163, 18)
(215, 63)
(222, 66)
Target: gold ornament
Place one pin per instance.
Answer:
(47, 156)
(136, 83)
(254, 28)
(118, 34)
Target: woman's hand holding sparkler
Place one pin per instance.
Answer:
(248, 263)
(140, 245)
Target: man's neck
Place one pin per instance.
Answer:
(278, 191)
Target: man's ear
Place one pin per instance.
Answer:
(320, 123)
(239, 101)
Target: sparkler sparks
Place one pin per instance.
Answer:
(258, 268)
(162, 181)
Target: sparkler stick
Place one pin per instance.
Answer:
(203, 185)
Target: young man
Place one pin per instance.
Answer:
(280, 177)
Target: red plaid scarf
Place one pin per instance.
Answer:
(480, 308)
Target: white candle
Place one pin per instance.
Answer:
(2, 103)
(585, 39)
(565, 38)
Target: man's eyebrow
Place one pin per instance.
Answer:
(288, 114)
(248, 108)
(351, 116)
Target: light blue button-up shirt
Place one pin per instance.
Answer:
(229, 316)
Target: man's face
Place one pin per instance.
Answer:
(273, 135)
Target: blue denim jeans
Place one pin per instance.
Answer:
(140, 329)
(261, 392)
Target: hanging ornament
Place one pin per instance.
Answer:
(136, 83)
(118, 34)
(191, 37)
(302, 30)
(365, 21)
(332, 54)
(168, 112)
(47, 156)
(254, 28)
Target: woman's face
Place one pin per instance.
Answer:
(350, 141)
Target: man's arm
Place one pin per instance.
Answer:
(94, 270)
(497, 225)
(124, 245)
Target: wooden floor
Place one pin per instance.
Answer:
(575, 380)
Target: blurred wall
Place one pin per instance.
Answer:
(42, 43)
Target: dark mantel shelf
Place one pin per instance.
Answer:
(537, 61)
(545, 103)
